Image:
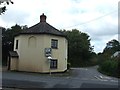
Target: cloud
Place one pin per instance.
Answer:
(100, 42)
(19, 17)
(68, 14)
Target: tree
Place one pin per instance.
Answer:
(3, 7)
(8, 40)
(108, 65)
(111, 47)
(79, 48)
(8, 35)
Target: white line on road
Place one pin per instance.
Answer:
(97, 77)
(104, 80)
(104, 77)
(80, 68)
(113, 80)
(100, 78)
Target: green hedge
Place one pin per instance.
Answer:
(110, 67)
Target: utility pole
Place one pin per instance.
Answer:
(49, 59)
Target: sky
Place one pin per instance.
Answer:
(97, 18)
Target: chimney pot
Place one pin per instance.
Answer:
(43, 18)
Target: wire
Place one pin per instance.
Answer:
(92, 19)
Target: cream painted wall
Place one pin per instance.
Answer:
(60, 54)
(32, 57)
(29, 57)
(14, 64)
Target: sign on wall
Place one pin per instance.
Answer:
(48, 52)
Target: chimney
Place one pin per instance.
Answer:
(43, 18)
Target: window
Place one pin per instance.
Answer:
(16, 44)
(53, 64)
(54, 43)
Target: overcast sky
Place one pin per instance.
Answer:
(97, 18)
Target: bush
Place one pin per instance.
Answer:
(68, 66)
(109, 67)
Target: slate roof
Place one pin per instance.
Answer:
(43, 28)
(13, 54)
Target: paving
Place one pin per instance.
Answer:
(76, 78)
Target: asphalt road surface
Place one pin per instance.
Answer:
(77, 78)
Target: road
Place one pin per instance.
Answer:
(77, 78)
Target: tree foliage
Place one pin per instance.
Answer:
(8, 35)
(79, 47)
(8, 40)
(112, 46)
(3, 7)
(108, 65)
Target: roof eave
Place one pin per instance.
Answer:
(40, 34)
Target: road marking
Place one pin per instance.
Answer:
(83, 69)
(113, 80)
(67, 77)
(104, 77)
(104, 80)
(97, 77)
(100, 78)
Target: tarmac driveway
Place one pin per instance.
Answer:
(77, 78)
